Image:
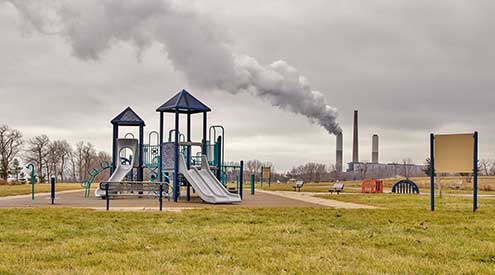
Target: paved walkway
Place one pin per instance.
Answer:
(310, 198)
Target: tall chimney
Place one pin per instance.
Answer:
(340, 152)
(374, 151)
(355, 143)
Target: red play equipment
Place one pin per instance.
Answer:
(372, 186)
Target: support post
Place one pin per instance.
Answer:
(252, 183)
(176, 158)
(475, 173)
(161, 196)
(241, 179)
(432, 172)
(160, 168)
(106, 196)
(218, 157)
(33, 179)
(52, 190)
(205, 126)
(115, 154)
(140, 169)
(188, 163)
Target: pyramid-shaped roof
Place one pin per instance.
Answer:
(183, 102)
(128, 118)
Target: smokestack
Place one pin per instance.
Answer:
(374, 151)
(340, 152)
(355, 141)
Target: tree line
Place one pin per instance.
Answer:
(57, 158)
(309, 172)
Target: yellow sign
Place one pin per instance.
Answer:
(266, 171)
(454, 153)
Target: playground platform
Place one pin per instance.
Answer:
(75, 199)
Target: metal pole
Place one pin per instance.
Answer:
(176, 157)
(205, 125)
(106, 196)
(219, 159)
(140, 175)
(252, 184)
(114, 148)
(160, 168)
(241, 179)
(52, 190)
(475, 173)
(161, 196)
(188, 195)
(432, 172)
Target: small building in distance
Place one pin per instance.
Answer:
(363, 170)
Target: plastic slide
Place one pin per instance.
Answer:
(206, 185)
(123, 167)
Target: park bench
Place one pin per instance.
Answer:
(337, 188)
(298, 185)
(134, 189)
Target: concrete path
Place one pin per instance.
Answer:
(310, 198)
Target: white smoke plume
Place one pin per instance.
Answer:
(192, 43)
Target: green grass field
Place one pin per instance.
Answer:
(403, 238)
(24, 189)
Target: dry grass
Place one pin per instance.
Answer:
(24, 189)
(401, 240)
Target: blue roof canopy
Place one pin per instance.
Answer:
(128, 118)
(183, 102)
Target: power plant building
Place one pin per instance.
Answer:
(374, 169)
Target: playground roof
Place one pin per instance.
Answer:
(183, 102)
(128, 118)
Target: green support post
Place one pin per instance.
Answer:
(33, 179)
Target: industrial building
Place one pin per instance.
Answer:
(374, 169)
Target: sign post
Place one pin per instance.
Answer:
(454, 153)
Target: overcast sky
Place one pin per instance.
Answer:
(409, 67)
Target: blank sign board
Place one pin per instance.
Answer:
(454, 153)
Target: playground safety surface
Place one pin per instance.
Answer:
(75, 199)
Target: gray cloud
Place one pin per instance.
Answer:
(192, 44)
(410, 67)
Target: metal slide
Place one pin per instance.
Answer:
(206, 185)
(123, 168)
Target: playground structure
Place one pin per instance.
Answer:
(405, 187)
(170, 164)
(372, 186)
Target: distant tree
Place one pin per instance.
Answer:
(37, 152)
(485, 167)
(59, 152)
(10, 146)
(253, 167)
(16, 169)
(427, 168)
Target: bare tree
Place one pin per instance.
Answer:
(10, 146)
(253, 167)
(36, 153)
(485, 166)
(407, 166)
